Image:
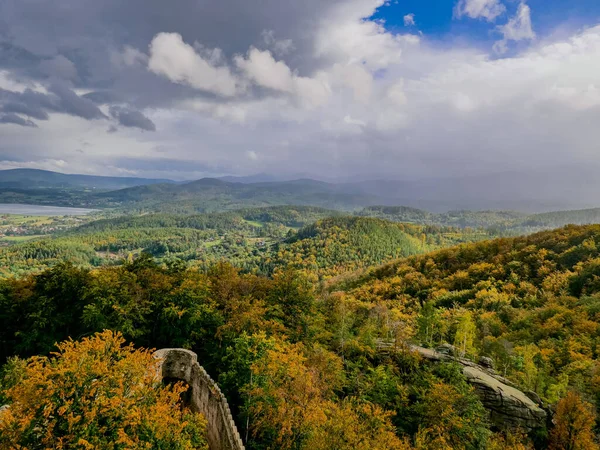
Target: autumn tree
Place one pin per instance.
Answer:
(97, 393)
(352, 425)
(573, 425)
(428, 323)
(464, 340)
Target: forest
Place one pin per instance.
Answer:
(256, 240)
(299, 360)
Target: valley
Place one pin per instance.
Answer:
(349, 304)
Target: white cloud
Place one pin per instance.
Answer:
(345, 37)
(479, 9)
(280, 47)
(179, 62)
(252, 155)
(409, 20)
(518, 28)
(262, 69)
(346, 98)
(129, 57)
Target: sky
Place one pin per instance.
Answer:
(331, 89)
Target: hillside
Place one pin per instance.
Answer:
(507, 222)
(208, 194)
(334, 246)
(257, 240)
(290, 356)
(43, 179)
(530, 303)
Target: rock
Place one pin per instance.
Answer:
(535, 397)
(509, 407)
(447, 349)
(486, 362)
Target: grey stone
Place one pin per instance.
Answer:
(447, 349)
(509, 408)
(486, 362)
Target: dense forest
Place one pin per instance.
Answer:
(299, 362)
(496, 222)
(257, 240)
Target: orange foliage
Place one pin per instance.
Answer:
(97, 394)
(573, 424)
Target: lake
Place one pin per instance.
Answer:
(37, 210)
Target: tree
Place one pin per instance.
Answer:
(465, 334)
(97, 393)
(352, 425)
(574, 422)
(428, 323)
(285, 399)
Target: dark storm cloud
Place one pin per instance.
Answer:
(131, 118)
(102, 97)
(71, 103)
(381, 104)
(37, 104)
(40, 38)
(33, 111)
(16, 120)
(59, 67)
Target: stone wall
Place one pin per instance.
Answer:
(204, 396)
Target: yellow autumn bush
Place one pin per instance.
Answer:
(97, 393)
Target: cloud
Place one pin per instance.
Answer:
(59, 67)
(348, 97)
(479, 9)
(24, 109)
(518, 28)
(409, 20)
(262, 69)
(281, 47)
(16, 120)
(60, 99)
(179, 62)
(131, 118)
(71, 103)
(129, 57)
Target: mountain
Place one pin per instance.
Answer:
(424, 201)
(44, 179)
(211, 194)
(258, 178)
(512, 222)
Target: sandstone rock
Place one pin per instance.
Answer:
(447, 349)
(486, 362)
(509, 407)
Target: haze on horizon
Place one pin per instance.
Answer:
(492, 92)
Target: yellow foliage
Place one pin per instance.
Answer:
(97, 394)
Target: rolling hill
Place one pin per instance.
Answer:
(44, 179)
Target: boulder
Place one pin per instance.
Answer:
(486, 362)
(509, 407)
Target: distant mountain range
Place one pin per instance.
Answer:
(529, 193)
(45, 179)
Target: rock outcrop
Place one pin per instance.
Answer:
(203, 396)
(508, 406)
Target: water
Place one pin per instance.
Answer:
(37, 210)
